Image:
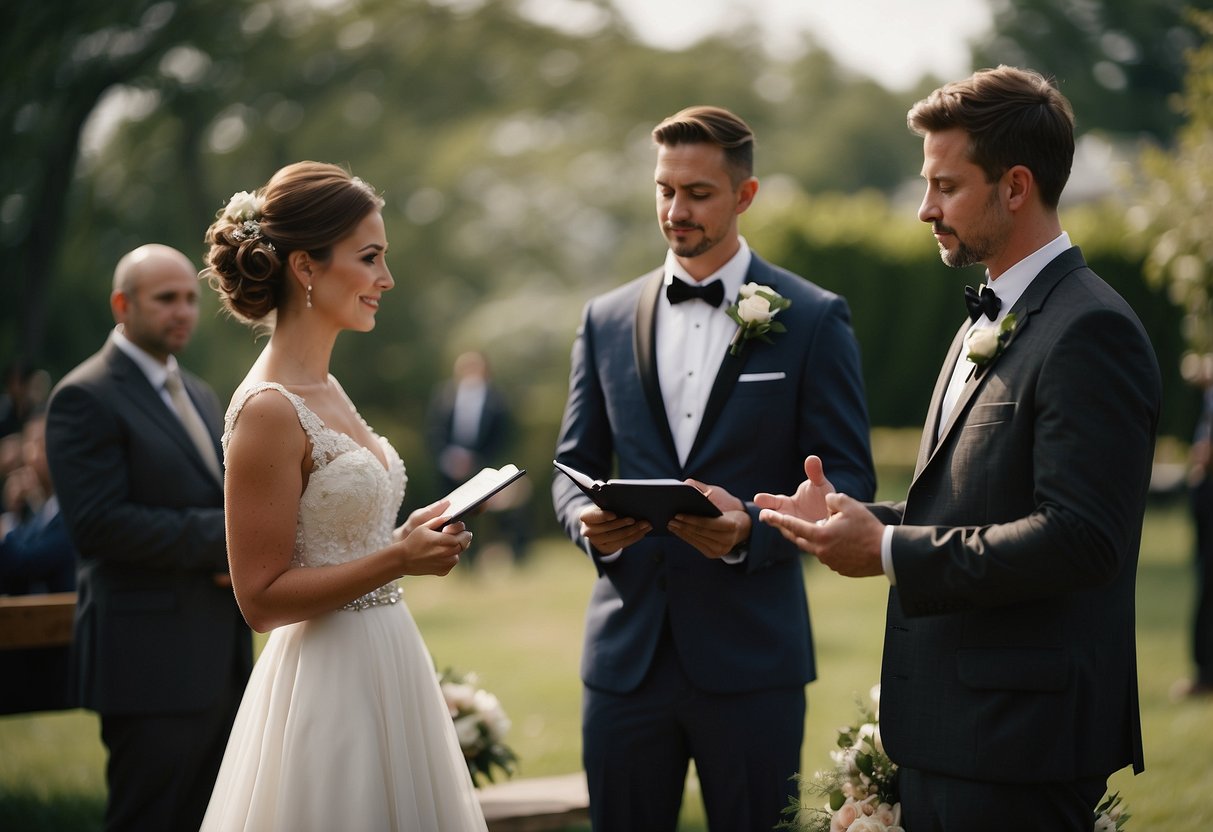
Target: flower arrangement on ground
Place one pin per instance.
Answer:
(480, 723)
(859, 794)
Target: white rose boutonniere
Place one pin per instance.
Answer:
(754, 313)
(987, 343)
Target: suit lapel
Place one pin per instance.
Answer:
(645, 347)
(147, 399)
(931, 429)
(1029, 304)
(731, 365)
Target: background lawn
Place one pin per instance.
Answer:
(520, 630)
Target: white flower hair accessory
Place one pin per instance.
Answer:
(244, 209)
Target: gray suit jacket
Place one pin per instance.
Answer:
(742, 627)
(1010, 652)
(154, 633)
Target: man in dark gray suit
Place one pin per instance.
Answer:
(161, 651)
(697, 643)
(1009, 681)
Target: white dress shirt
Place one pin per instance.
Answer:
(157, 373)
(1009, 286)
(692, 338)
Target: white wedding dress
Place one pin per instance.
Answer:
(343, 725)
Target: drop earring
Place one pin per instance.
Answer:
(309, 296)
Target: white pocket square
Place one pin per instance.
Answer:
(761, 376)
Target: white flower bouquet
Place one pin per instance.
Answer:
(859, 794)
(480, 723)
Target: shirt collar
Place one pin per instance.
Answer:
(156, 372)
(1012, 283)
(731, 273)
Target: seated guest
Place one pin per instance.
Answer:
(36, 556)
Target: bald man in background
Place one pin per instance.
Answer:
(161, 651)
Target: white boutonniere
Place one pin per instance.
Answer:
(987, 343)
(753, 312)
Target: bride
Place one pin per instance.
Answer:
(342, 725)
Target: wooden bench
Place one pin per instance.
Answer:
(536, 804)
(36, 620)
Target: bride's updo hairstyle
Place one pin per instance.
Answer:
(307, 206)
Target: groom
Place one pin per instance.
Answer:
(697, 644)
(1009, 682)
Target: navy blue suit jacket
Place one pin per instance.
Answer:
(37, 559)
(736, 627)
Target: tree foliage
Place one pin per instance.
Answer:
(515, 159)
(1120, 62)
(1175, 211)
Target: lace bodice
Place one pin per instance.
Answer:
(349, 506)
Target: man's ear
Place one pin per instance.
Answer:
(746, 192)
(119, 304)
(1020, 185)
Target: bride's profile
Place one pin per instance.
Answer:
(343, 725)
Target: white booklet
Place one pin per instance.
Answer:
(479, 488)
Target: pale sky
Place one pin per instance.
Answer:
(893, 41)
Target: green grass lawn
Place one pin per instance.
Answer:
(520, 630)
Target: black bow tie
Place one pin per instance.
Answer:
(984, 302)
(711, 293)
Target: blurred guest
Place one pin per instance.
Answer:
(36, 553)
(1201, 493)
(36, 556)
(469, 426)
(24, 392)
(161, 650)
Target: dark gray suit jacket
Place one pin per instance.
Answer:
(736, 628)
(154, 633)
(1010, 652)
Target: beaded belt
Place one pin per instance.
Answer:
(383, 596)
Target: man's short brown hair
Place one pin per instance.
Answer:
(712, 125)
(1013, 117)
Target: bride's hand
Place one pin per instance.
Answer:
(434, 546)
(419, 517)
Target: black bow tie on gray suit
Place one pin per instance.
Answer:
(983, 302)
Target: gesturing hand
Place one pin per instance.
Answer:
(809, 501)
(848, 542)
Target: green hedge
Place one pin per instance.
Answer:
(906, 304)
